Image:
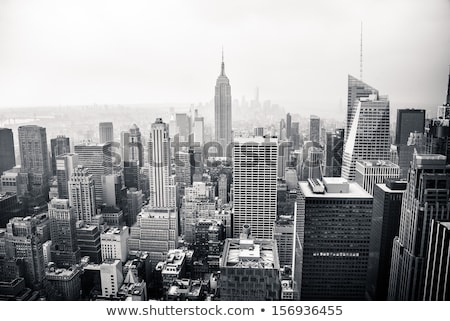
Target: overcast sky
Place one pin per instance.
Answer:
(298, 52)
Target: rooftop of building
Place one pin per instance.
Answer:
(186, 287)
(7, 195)
(430, 159)
(53, 272)
(284, 220)
(377, 163)
(250, 253)
(399, 187)
(255, 140)
(175, 257)
(133, 289)
(149, 212)
(110, 210)
(335, 187)
(91, 144)
(87, 227)
(446, 225)
(114, 230)
(10, 173)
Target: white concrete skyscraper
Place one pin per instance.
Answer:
(356, 89)
(82, 193)
(65, 165)
(255, 185)
(222, 109)
(369, 136)
(161, 189)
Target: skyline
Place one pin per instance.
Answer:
(66, 54)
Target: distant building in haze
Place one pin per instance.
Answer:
(7, 156)
(106, 132)
(58, 146)
(222, 110)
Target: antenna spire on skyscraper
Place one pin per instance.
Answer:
(361, 55)
(223, 65)
(448, 88)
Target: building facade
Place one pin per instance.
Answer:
(222, 110)
(332, 249)
(255, 185)
(369, 136)
(372, 172)
(427, 197)
(7, 155)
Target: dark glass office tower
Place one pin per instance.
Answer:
(408, 121)
(7, 157)
(314, 129)
(387, 204)
(333, 153)
(332, 249)
(34, 160)
(58, 146)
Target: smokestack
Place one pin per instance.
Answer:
(448, 89)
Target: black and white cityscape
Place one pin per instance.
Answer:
(231, 199)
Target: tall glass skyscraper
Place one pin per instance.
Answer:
(426, 198)
(161, 190)
(58, 146)
(369, 136)
(356, 89)
(408, 121)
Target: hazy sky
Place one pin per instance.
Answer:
(298, 52)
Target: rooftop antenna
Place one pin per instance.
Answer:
(223, 64)
(361, 54)
(448, 88)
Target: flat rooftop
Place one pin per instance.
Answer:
(384, 188)
(255, 139)
(377, 163)
(4, 196)
(430, 159)
(250, 253)
(446, 225)
(355, 190)
(67, 273)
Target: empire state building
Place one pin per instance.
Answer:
(222, 109)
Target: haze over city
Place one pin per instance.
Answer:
(232, 151)
(60, 53)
